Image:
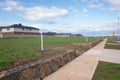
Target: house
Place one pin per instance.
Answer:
(18, 30)
(63, 35)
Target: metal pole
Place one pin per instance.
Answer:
(42, 49)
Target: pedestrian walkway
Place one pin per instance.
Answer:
(81, 68)
(111, 55)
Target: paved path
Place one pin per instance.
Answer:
(81, 68)
(111, 55)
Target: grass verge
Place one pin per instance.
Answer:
(107, 71)
(112, 44)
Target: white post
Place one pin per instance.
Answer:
(118, 29)
(42, 49)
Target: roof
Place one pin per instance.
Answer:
(19, 26)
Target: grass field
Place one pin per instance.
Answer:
(112, 44)
(112, 41)
(107, 71)
(29, 48)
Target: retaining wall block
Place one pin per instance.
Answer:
(42, 71)
(53, 65)
(27, 74)
(36, 73)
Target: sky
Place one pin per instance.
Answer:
(88, 17)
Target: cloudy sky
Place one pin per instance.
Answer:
(89, 17)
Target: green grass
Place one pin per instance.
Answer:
(107, 71)
(11, 49)
(112, 41)
(29, 48)
(112, 44)
(65, 40)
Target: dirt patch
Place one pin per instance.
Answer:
(18, 62)
(76, 43)
(57, 48)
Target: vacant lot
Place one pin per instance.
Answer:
(112, 44)
(21, 50)
(107, 71)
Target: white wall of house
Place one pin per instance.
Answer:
(18, 36)
(19, 30)
(0, 33)
(7, 29)
(26, 30)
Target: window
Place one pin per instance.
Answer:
(22, 28)
(8, 29)
(30, 29)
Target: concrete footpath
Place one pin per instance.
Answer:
(81, 68)
(111, 55)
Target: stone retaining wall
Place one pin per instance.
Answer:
(39, 69)
(90, 45)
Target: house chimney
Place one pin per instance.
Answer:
(20, 24)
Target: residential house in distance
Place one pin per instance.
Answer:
(18, 30)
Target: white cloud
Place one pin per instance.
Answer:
(85, 10)
(91, 1)
(73, 9)
(9, 5)
(115, 5)
(7, 9)
(42, 13)
(95, 28)
(114, 2)
(33, 13)
(84, 0)
(100, 5)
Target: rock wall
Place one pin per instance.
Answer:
(39, 69)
